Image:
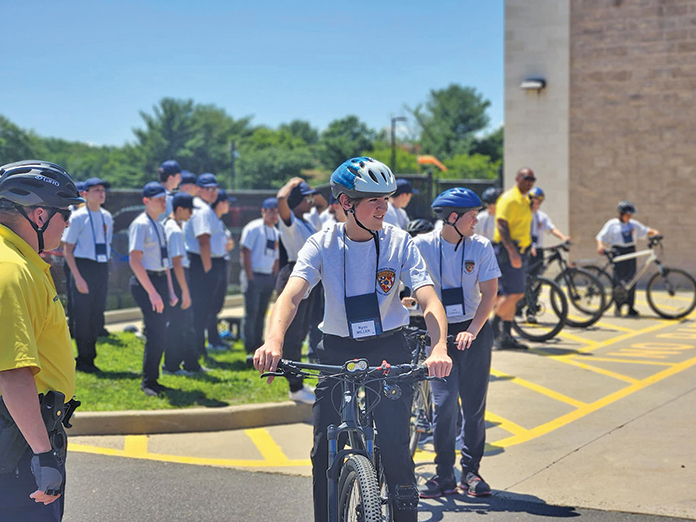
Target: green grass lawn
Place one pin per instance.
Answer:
(117, 387)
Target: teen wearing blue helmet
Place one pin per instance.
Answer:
(360, 263)
(464, 269)
(486, 218)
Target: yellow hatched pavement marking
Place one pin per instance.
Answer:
(614, 327)
(617, 360)
(540, 389)
(269, 449)
(135, 445)
(592, 407)
(602, 371)
(505, 424)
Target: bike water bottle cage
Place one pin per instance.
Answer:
(406, 497)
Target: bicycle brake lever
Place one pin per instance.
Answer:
(432, 378)
(272, 374)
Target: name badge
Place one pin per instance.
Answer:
(270, 244)
(165, 256)
(363, 329)
(100, 250)
(454, 310)
(453, 301)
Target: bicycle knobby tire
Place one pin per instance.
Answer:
(359, 493)
(671, 278)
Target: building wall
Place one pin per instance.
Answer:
(632, 124)
(537, 45)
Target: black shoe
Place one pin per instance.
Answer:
(632, 312)
(436, 487)
(474, 486)
(149, 391)
(617, 312)
(250, 360)
(86, 368)
(510, 343)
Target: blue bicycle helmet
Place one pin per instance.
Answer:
(458, 199)
(537, 193)
(362, 177)
(491, 195)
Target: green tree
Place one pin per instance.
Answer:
(303, 130)
(268, 158)
(490, 145)
(476, 166)
(406, 163)
(16, 144)
(343, 139)
(449, 119)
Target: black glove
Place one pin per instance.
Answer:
(47, 472)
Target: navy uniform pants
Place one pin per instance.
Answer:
(203, 287)
(392, 417)
(218, 302)
(256, 298)
(468, 381)
(155, 324)
(15, 504)
(624, 272)
(88, 309)
(181, 337)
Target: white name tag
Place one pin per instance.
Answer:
(101, 259)
(454, 310)
(363, 329)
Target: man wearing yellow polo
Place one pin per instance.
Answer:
(37, 369)
(511, 241)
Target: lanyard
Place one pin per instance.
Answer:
(91, 223)
(461, 277)
(159, 240)
(345, 247)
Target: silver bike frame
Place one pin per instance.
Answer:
(633, 255)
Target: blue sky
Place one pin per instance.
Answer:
(82, 70)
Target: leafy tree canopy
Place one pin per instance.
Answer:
(343, 139)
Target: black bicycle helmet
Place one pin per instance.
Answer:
(35, 183)
(419, 226)
(491, 195)
(626, 207)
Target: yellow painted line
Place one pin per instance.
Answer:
(505, 424)
(590, 408)
(200, 461)
(135, 445)
(635, 333)
(540, 389)
(641, 355)
(596, 369)
(611, 359)
(268, 448)
(614, 327)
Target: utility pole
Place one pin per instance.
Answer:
(233, 155)
(393, 141)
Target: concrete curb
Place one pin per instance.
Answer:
(126, 315)
(189, 420)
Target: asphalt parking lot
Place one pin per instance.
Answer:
(599, 418)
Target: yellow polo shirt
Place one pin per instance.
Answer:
(515, 208)
(33, 330)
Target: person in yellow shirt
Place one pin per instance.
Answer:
(37, 369)
(511, 241)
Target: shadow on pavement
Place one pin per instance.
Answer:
(190, 398)
(500, 502)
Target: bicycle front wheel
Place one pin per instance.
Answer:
(672, 293)
(359, 493)
(421, 415)
(585, 294)
(541, 314)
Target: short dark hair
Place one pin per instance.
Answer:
(163, 176)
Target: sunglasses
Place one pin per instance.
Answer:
(64, 212)
(529, 178)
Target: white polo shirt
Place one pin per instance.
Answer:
(204, 221)
(613, 232)
(295, 235)
(176, 244)
(85, 233)
(322, 259)
(540, 223)
(256, 237)
(148, 236)
(396, 216)
(486, 224)
(472, 263)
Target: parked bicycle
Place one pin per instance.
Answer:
(584, 291)
(670, 292)
(543, 311)
(357, 486)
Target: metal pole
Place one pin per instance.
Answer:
(232, 157)
(393, 141)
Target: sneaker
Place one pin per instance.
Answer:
(531, 319)
(617, 311)
(304, 395)
(436, 487)
(510, 343)
(86, 368)
(200, 369)
(153, 390)
(250, 360)
(632, 312)
(474, 486)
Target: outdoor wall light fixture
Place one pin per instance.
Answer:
(533, 84)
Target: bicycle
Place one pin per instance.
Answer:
(671, 292)
(543, 310)
(584, 291)
(357, 487)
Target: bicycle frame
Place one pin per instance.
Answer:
(652, 258)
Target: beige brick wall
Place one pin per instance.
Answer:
(632, 132)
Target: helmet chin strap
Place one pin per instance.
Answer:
(454, 226)
(39, 230)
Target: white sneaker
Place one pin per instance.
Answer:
(304, 395)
